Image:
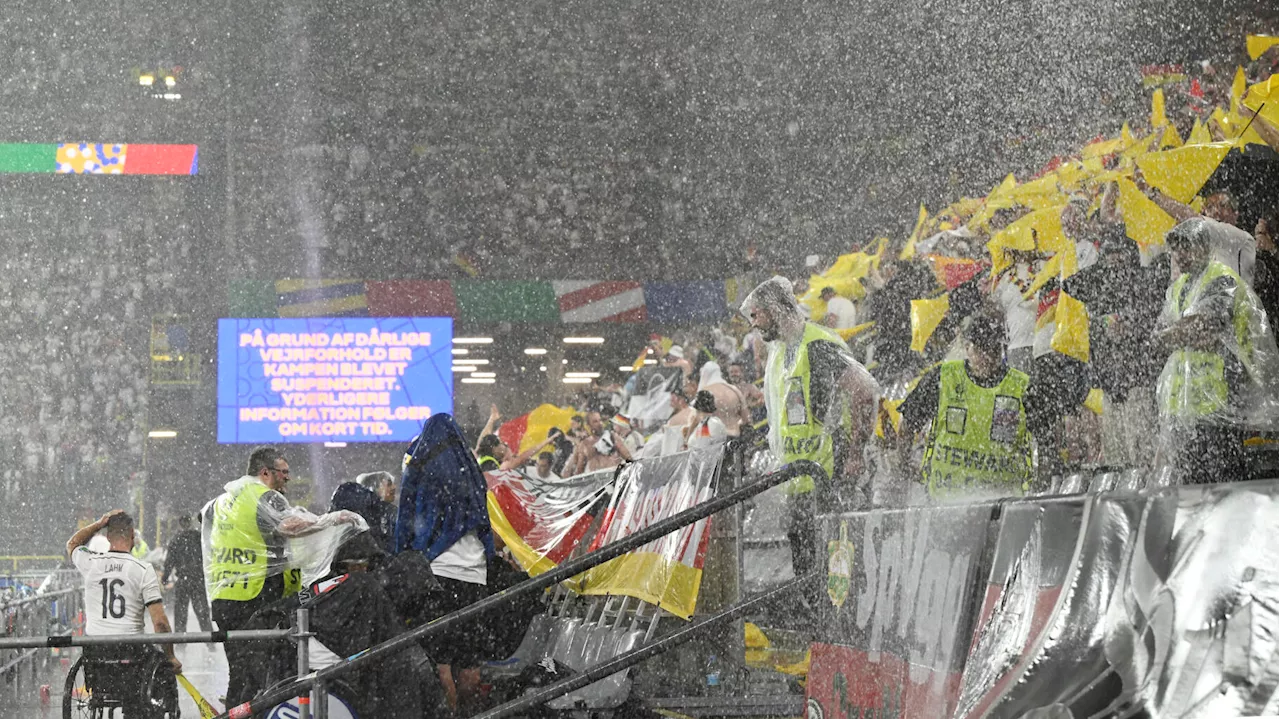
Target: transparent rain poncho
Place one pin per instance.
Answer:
(278, 538)
(777, 297)
(1227, 375)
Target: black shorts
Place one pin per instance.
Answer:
(464, 645)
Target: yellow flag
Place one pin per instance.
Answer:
(1199, 134)
(1127, 135)
(909, 250)
(202, 705)
(1158, 118)
(541, 420)
(1102, 147)
(1093, 402)
(1238, 84)
(1040, 230)
(998, 199)
(1144, 221)
(1265, 95)
(926, 315)
(1170, 138)
(1071, 336)
(1258, 44)
(1181, 172)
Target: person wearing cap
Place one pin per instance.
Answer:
(821, 405)
(1219, 381)
(631, 441)
(675, 358)
(705, 429)
(601, 449)
(978, 440)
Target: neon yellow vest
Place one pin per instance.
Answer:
(487, 458)
(1197, 386)
(803, 435)
(239, 563)
(979, 437)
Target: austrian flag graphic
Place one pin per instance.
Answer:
(587, 301)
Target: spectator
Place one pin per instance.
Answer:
(675, 358)
(1266, 275)
(841, 313)
(542, 470)
(184, 573)
(705, 430)
(372, 496)
(731, 406)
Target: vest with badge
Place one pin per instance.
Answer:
(239, 552)
(1197, 384)
(979, 437)
(803, 435)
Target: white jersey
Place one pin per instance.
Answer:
(117, 591)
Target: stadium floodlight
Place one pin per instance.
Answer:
(584, 340)
(146, 80)
(464, 368)
(478, 380)
(460, 351)
(588, 375)
(534, 351)
(484, 374)
(470, 361)
(335, 445)
(625, 368)
(162, 434)
(473, 340)
(576, 380)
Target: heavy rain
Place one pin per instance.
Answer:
(637, 359)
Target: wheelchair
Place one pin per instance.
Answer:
(141, 687)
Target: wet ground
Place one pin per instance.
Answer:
(205, 666)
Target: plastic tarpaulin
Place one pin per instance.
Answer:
(1111, 604)
(297, 543)
(544, 523)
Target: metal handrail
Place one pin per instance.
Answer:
(635, 656)
(550, 578)
(37, 598)
(98, 640)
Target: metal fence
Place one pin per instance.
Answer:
(47, 603)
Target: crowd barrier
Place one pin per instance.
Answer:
(34, 604)
(566, 570)
(1161, 602)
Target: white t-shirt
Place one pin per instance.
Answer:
(1019, 314)
(464, 561)
(846, 314)
(117, 591)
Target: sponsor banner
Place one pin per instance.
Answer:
(902, 600)
(1031, 575)
(1167, 608)
(545, 523)
(1112, 604)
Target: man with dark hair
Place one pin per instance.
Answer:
(184, 574)
(979, 440)
(118, 590)
(246, 561)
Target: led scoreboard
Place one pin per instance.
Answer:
(332, 379)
